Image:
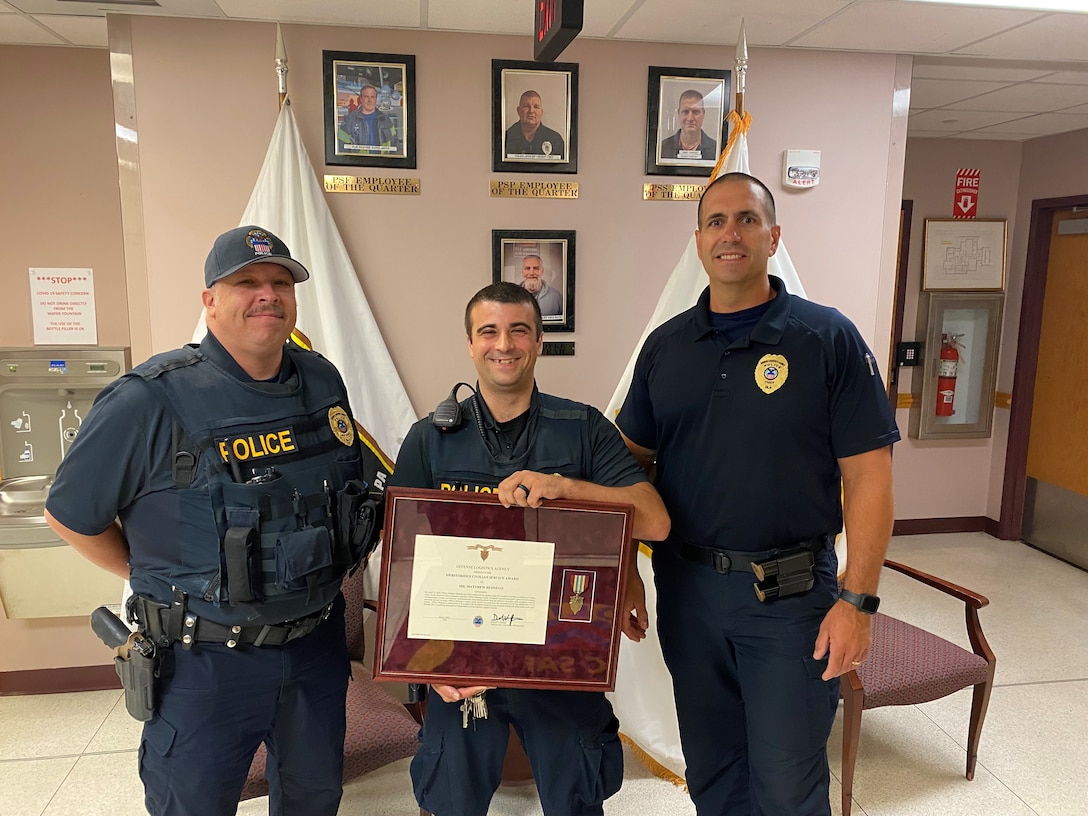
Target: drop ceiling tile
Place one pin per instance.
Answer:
(1042, 124)
(84, 31)
(1068, 77)
(379, 13)
(919, 28)
(1030, 96)
(771, 22)
(956, 120)
(923, 70)
(495, 16)
(990, 136)
(935, 93)
(601, 16)
(171, 8)
(1053, 37)
(18, 30)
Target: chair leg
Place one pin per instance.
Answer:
(853, 700)
(979, 703)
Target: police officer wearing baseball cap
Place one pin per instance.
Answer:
(208, 478)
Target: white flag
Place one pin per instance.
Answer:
(332, 310)
(688, 278)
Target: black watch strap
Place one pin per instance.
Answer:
(868, 604)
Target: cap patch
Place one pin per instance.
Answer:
(259, 242)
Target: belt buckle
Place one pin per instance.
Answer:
(721, 563)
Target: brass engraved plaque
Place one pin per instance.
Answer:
(372, 184)
(672, 192)
(534, 189)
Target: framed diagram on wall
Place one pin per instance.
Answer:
(966, 255)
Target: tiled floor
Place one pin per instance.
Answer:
(74, 754)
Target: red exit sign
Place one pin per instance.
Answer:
(558, 22)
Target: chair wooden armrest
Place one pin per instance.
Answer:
(973, 601)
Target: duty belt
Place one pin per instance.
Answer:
(726, 561)
(165, 623)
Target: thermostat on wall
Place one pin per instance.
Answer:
(801, 168)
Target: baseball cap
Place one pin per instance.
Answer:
(243, 246)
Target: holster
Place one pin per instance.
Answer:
(139, 676)
(358, 510)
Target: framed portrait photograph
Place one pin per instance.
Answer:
(965, 254)
(685, 120)
(534, 117)
(541, 261)
(370, 109)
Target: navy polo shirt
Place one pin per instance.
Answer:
(748, 434)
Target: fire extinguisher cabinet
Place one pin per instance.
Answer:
(953, 393)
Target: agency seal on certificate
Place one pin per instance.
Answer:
(474, 593)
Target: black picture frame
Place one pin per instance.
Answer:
(556, 89)
(556, 250)
(666, 88)
(393, 81)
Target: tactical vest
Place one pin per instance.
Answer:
(555, 440)
(253, 533)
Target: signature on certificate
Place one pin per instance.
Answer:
(507, 619)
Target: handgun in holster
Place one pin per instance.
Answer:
(789, 573)
(358, 522)
(137, 662)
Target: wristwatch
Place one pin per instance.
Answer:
(868, 604)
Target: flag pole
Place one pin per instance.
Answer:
(740, 67)
(281, 65)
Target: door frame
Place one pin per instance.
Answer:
(1014, 488)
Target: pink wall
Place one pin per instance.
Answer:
(937, 479)
(59, 208)
(58, 174)
(420, 258)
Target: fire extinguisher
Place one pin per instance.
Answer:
(946, 373)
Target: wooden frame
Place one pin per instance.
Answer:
(512, 250)
(387, 84)
(672, 99)
(544, 96)
(966, 255)
(581, 647)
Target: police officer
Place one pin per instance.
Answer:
(755, 405)
(526, 447)
(207, 477)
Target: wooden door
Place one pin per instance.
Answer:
(1057, 461)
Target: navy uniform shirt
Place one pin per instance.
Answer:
(748, 434)
(610, 463)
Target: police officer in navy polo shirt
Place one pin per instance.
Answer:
(526, 447)
(756, 406)
(208, 478)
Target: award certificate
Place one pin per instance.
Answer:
(480, 589)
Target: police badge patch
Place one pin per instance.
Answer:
(771, 372)
(341, 425)
(259, 242)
